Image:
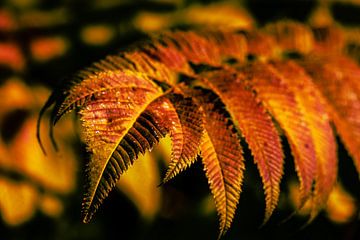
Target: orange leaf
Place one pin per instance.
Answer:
(272, 90)
(312, 105)
(343, 101)
(194, 47)
(221, 154)
(257, 128)
(111, 131)
(229, 45)
(192, 129)
(291, 36)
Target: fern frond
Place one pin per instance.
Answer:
(155, 122)
(141, 62)
(90, 81)
(260, 45)
(166, 52)
(166, 116)
(220, 85)
(96, 85)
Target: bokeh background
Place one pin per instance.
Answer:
(43, 42)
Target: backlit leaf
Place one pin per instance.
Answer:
(272, 90)
(343, 101)
(192, 129)
(222, 158)
(291, 36)
(256, 127)
(312, 105)
(111, 131)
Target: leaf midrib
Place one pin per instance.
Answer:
(129, 126)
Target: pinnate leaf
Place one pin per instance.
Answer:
(206, 89)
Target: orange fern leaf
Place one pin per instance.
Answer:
(221, 154)
(229, 45)
(314, 110)
(192, 129)
(342, 99)
(165, 115)
(260, 45)
(272, 90)
(194, 47)
(291, 36)
(155, 122)
(165, 52)
(257, 128)
(108, 119)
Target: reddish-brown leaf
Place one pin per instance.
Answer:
(312, 105)
(194, 47)
(272, 90)
(342, 98)
(257, 128)
(116, 101)
(221, 154)
(260, 45)
(166, 116)
(191, 120)
(97, 84)
(291, 36)
(167, 53)
(229, 45)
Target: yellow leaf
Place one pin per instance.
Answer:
(291, 36)
(53, 175)
(140, 185)
(341, 207)
(17, 201)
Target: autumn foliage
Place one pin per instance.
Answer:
(263, 109)
(209, 90)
